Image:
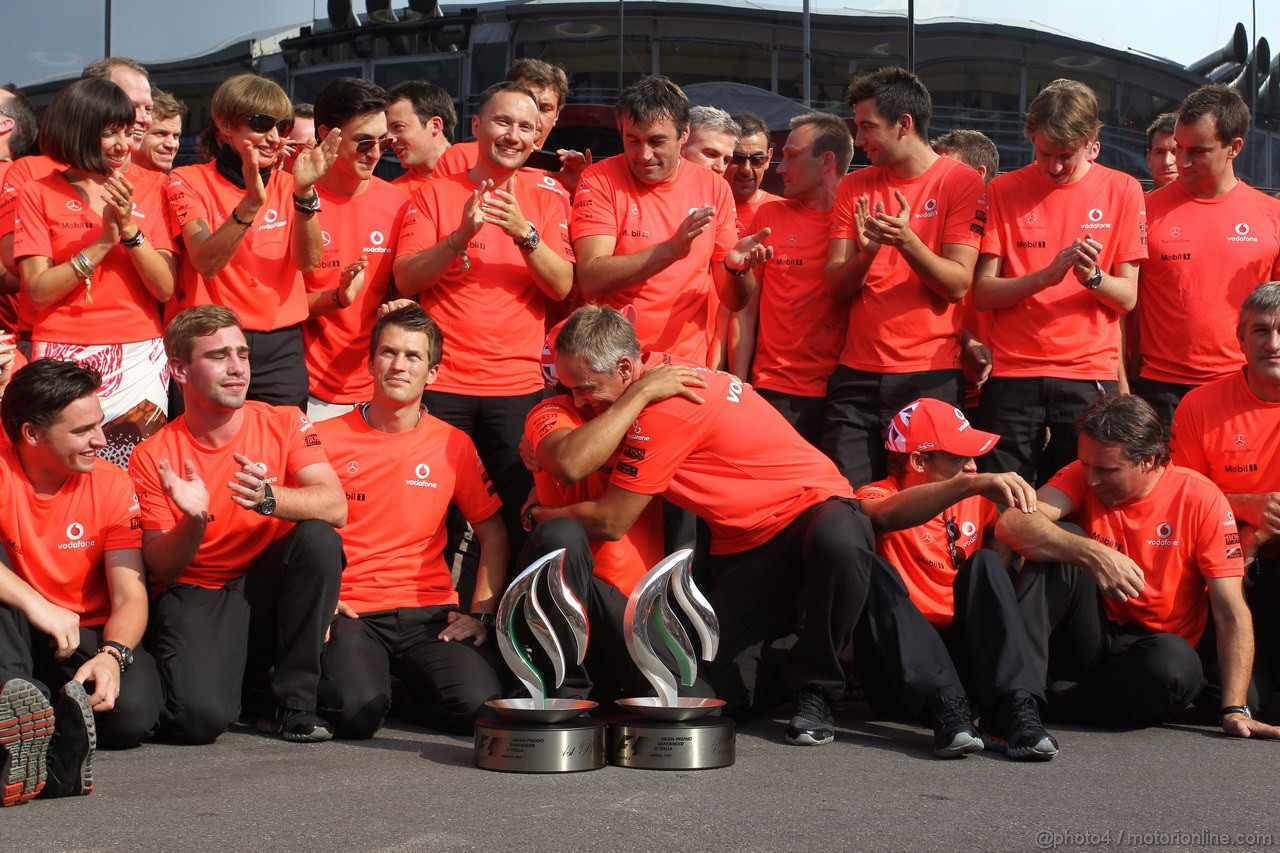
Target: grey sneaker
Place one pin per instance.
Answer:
(953, 733)
(297, 726)
(75, 737)
(1014, 728)
(26, 724)
(813, 724)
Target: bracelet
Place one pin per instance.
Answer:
(85, 268)
(1235, 709)
(240, 221)
(114, 654)
(337, 297)
(462, 253)
(135, 241)
(737, 273)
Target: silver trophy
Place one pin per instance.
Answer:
(539, 734)
(676, 732)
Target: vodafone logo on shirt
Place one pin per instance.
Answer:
(930, 209)
(1242, 234)
(421, 473)
(1164, 534)
(1095, 220)
(75, 538)
(376, 239)
(272, 220)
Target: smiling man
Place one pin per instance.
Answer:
(421, 120)
(1211, 239)
(359, 226)
(487, 252)
(160, 143)
(658, 234)
(1058, 268)
(239, 506)
(1115, 612)
(399, 612)
(904, 241)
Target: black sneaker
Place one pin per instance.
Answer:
(75, 737)
(812, 724)
(953, 733)
(297, 726)
(26, 724)
(1014, 728)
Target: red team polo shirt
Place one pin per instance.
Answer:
(673, 307)
(922, 554)
(260, 282)
(1180, 533)
(399, 487)
(1062, 331)
(732, 460)
(1224, 431)
(336, 344)
(620, 563)
(493, 315)
(900, 325)
(21, 171)
(747, 212)
(281, 438)
(57, 544)
(801, 329)
(1205, 257)
(53, 222)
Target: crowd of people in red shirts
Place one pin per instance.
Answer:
(976, 446)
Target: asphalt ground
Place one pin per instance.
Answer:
(877, 788)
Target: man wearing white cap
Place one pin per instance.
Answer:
(932, 516)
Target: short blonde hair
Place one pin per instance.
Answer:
(246, 95)
(1066, 112)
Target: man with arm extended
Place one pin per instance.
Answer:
(239, 506)
(1115, 612)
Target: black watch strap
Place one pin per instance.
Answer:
(485, 619)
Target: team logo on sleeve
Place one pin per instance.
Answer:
(312, 440)
(629, 470)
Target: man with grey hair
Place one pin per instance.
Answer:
(1229, 430)
(712, 135)
(786, 535)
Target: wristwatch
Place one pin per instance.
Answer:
(531, 240)
(1235, 709)
(122, 653)
(485, 619)
(266, 506)
(1094, 281)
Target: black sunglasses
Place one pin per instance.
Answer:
(262, 123)
(364, 146)
(757, 159)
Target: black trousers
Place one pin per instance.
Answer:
(266, 627)
(608, 672)
(818, 566)
(277, 367)
(1019, 411)
(859, 407)
(985, 651)
(806, 414)
(28, 654)
(1098, 671)
(495, 425)
(1164, 397)
(446, 683)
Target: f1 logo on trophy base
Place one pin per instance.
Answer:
(538, 734)
(670, 732)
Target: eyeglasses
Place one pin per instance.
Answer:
(364, 146)
(757, 159)
(262, 123)
(953, 536)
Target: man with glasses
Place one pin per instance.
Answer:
(932, 516)
(359, 225)
(747, 168)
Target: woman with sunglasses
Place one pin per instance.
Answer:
(97, 261)
(249, 231)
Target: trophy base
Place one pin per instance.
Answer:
(700, 744)
(509, 746)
